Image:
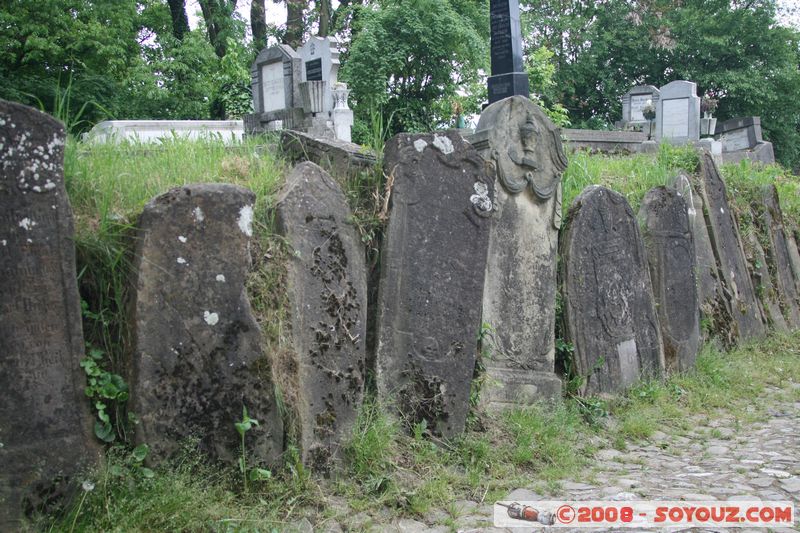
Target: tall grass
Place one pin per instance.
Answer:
(631, 176)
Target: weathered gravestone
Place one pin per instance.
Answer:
(432, 273)
(45, 424)
(609, 310)
(197, 353)
(764, 286)
(667, 235)
(276, 75)
(794, 257)
(709, 290)
(678, 113)
(779, 257)
(737, 288)
(519, 294)
(508, 72)
(327, 286)
(633, 104)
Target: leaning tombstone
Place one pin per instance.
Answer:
(609, 309)
(197, 354)
(46, 439)
(432, 272)
(764, 286)
(525, 151)
(678, 113)
(794, 258)
(327, 287)
(737, 288)
(715, 318)
(668, 242)
(779, 256)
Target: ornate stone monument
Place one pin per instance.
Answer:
(524, 149)
(508, 73)
(299, 90)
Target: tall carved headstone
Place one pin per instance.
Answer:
(764, 285)
(432, 273)
(327, 284)
(709, 289)
(780, 258)
(609, 310)
(508, 73)
(45, 424)
(633, 104)
(197, 352)
(524, 148)
(669, 245)
(737, 288)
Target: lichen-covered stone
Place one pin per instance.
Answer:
(764, 286)
(609, 310)
(327, 287)
(524, 149)
(737, 288)
(45, 423)
(197, 352)
(432, 274)
(667, 235)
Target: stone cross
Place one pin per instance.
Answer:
(508, 74)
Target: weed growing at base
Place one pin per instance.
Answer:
(390, 474)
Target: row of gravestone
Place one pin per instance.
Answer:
(472, 238)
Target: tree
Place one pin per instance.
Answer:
(180, 22)
(295, 22)
(219, 18)
(258, 23)
(409, 59)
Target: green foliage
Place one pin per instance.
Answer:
(409, 58)
(106, 390)
(254, 474)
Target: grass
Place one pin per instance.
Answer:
(632, 176)
(389, 475)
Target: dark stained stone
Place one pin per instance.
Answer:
(197, 353)
(524, 148)
(737, 288)
(327, 288)
(709, 290)
(779, 257)
(667, 236)
(609, 312)
(764, 287)
(794, 257)
(432, 274)
(45, 423)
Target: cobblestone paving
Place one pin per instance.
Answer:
(714, 461)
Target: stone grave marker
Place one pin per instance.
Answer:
(432, 274)
(508, 72)
(609, 309)
(764, 286)
(320, 57)
(45, 424)
(678, 113)
(739, 133)
(737, 287)
(634, 102)
(197, 352)
(524, 148)
(667, 234)
(327, 285)
(709, 291)
(276, 75)
(780, 257)
(794, 257)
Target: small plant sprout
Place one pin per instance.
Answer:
(256, 474)
(87, 487)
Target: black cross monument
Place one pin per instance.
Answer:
(508, 75)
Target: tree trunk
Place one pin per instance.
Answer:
(295, 28)
(180, 22)
(218, 17)
(258, 23)
(324, 17)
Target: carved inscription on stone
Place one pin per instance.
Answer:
(45, 424)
